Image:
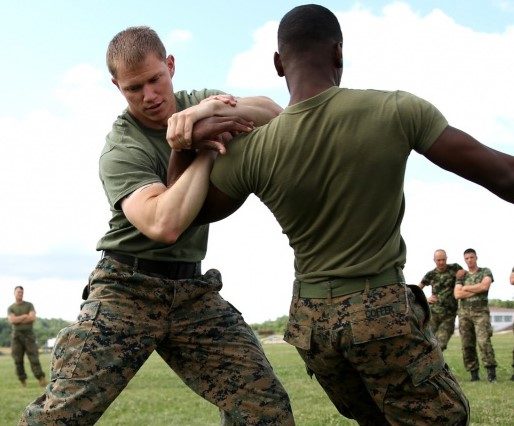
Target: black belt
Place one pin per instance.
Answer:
(175, 270)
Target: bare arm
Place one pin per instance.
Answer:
(460, 153)
(460, 292)
(512, 277)
(258, 110)
(217, 206)
(22, 319)
(481, 287)
(162, 213)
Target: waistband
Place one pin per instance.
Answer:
(343, 286)
(175, 270)
(474, 304)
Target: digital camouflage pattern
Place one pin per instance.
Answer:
(202, 337)
(475, 328)
(24, 342)
(475, 323)
(376, 358)
(444, 310)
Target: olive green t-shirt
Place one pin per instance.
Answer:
(331, 169)
(134, 156)
(20, 309)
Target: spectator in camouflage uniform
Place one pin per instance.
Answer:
(147, 292)
(512, 283)
(443, 305)
(22, 315)
(471, 289)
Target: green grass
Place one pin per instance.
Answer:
(157, 397)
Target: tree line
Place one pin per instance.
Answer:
(45, 329)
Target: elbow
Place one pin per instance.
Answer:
(167, 236)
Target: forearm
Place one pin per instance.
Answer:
(17, 319)
(178, 164)
(258, 109)
(477, 288)
(173, 210)
(460, 292)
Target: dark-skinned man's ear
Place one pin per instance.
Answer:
(278, 64)
(338, 63)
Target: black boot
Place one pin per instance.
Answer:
(474, 376)
(491, 374)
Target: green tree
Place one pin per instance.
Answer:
(277, 326)
(44, 329)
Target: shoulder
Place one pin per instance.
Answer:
(454, 267)
(431, 274)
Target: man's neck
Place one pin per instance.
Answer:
(305, 82)
(473, 270)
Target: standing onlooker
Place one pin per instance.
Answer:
(443, 305)
(512, 283)
(474, 317)
(22, 315)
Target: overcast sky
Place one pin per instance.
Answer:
(58, 104)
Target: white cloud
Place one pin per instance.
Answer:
(254, 68)
(175, 37)
(51, 163)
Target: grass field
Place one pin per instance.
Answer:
(157, 397)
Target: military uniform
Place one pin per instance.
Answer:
(475, 323)
(23, 341)
(362, 332)
(144, 296)
(444, 310)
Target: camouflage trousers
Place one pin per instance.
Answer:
(24, 342)
(475, 328)
(376, 358)
(443, 326)
(201, 337)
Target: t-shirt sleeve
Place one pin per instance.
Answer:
(426, 280)
(229, 173)
(122, 171)
(487, 273)
(421, 121)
